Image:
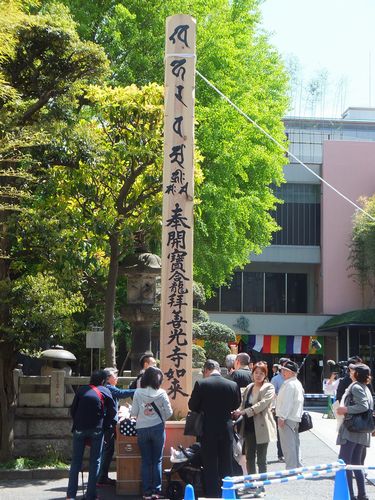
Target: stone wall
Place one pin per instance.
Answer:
(42, 431)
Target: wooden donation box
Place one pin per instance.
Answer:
(128, 457)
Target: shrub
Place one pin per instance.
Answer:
(197, 332)
(200, 316)
(217, 332)
(199, 356)
(216, 350)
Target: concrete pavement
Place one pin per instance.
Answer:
(318, 446)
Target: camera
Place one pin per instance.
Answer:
(342, 364)
(339, 367)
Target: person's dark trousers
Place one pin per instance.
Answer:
(79, 442)
(364, 453)
(352, 454)
(217, 453)
(278, 444)
(151, 443)
(107, 454)
(255, 453)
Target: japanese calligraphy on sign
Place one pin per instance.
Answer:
(178, 195)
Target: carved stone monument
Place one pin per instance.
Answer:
(142, 308)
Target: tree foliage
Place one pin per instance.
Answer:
(233, 217)
(217, 351)
(200, 316)
(115, 188)
(43, 310)
(43, 67)
(217, 332)
(362, 251)
(96, 148)
(199, 356)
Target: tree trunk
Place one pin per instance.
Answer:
(7, 353)
(110, 301)
(7, 398)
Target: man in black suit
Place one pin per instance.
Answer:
(242, 373)
(217, 397)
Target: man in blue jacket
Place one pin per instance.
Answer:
(110, 433)
(93, 411)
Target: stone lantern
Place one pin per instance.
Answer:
(143, 295)
(57, 358)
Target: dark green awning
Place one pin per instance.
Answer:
(360, 317)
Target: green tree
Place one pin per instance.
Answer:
(362, 250)
(43, 310)
(115, 188)
(43, 66)
(239, 163)
(233, 218)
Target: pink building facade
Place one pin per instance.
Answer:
(350, 167)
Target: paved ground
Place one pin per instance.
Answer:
(317, 447)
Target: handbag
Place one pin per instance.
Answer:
(359, 422)
(127, 427)
(306, 422)
(194, 424)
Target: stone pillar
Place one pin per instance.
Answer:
(57, 392)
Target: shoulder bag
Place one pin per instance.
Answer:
(194, 424)
(153, 404)
(306, 422)
(359, 422)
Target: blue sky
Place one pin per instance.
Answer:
(335, 38)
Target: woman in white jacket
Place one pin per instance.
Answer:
(152, 408)
(258, 427)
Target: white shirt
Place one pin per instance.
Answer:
(330, 388)
(289, 402)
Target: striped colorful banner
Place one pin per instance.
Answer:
(282, 344)
(277, 344)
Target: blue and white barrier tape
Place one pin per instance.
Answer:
(267, 482)
(311, 396)
(288, 472)
(360, 467)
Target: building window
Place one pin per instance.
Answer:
(231, 295)
(275, 292)
(253, 292)
(213, 303)
(262, 292)
(299, 215)
(296, 293)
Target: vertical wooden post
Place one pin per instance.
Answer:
(178, 197)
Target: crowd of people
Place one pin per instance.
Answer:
(263, 408)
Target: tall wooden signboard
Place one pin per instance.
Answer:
(178, 194)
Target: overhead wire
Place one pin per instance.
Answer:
(281, 146)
